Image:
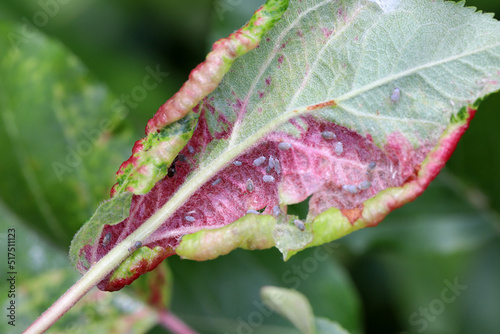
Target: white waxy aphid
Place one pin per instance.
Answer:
(271, 162)
(190, 149)
(259, 161)
(364, 185)
(284, 146)
(351, 188)
(268, 178)
(299, 224)
(255, 212)
(250, 186)
(277, 166)
(216, 182)
(328, 135)
(190, 219)
(339, 148)
(237, 163)
(106, 239)
(276, 210)
(396, 94)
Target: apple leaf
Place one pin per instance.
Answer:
(355, 104)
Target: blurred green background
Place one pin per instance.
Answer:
(388, 279)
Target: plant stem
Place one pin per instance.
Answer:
(95, 274)
(174, 324)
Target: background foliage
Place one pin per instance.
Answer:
(374, 280)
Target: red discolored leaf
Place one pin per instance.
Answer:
(330, 116)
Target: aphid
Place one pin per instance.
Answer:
(339, 148)
(299, 224)
(250, 186)
(396, 94)
(136, 245)
(284, 146)
(216, 182)
(255, 212)
(364, 185)
(171, 170)
(237, 163)
(268, 170)
(268, 178)
(106, 239)
(190, 149)
(276, 210)
(328, 135)
(181, 158)
(372, 165)
(351, 188)
(271, 162)
(277, 166)
(259, 161)
(189, 218)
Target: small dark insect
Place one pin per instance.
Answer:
(171, 170)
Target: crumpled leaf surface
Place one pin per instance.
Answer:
(358, 104)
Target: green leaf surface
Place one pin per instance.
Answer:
(292, 305)
(357, 103)
(61, 134)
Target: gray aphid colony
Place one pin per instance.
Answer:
(351, 188)
(237, 163)
(216, 182)
(250, 186)
(259, 161)
(339, 148)
(284, 146)
(268, 178)
(396, 94)
(364, 185)
(328, 135)
(255, 212)
(190, 219)
(106, 239)
(299, 224)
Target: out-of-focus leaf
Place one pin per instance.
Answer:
(222, 295)
(292, 305)
(359, 104)
(325, 326)
(417, 253)
(61, 134)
